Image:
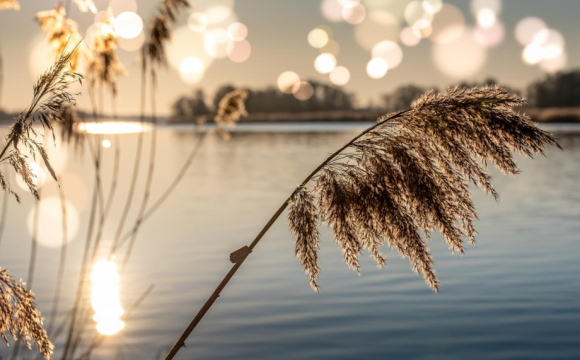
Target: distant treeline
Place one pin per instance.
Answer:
(558, 90)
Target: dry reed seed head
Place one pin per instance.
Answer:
(51, 97)
(9, 5)
(231, 108)
(409, 174)
(62, 34)
(303, 222)
(86, 6)
(70, 128)
(19, 315)
(104, 65)
(160, 32)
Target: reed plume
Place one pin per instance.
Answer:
(62, 33)
(19, 315)
(9, 4)
(51, 96)
(231, 108)
(402, 179)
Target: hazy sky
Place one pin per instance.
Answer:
(278, 32)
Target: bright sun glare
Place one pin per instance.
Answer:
(105, 298)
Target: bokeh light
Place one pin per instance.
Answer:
(423, 28)
(332, 47)
(552, 42)
(354, 13)
(318, 38)
(106, 143)
(332, 10)
(49, 219)
(432, 6)
(415, 11)
(325, 63)
(390, 51)
(105, 298)
(132, 44)
(191, 70)
(527, 28)
(379, 25)
(486, 18)
(239, 51)
(377, 68)
(197, 22)
(215, 43)
(340, 76)
(461, 59)
(448, 25)
(185, 43)
(493, 5)
(218, 13)
(128, 25)
(533, 54)
(237, 31)
(491, 36)
(287, 80)
(409, 38)
(554, 65)
(302, 90)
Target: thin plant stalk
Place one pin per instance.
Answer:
(4, 215)
(62, 261)
(181, 341)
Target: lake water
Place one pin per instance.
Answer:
(515, 296)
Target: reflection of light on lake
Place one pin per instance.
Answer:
(113, 127)
(105, 298)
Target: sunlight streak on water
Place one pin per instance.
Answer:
(113, 127)
(105, 298)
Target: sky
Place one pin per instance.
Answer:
(278, 32)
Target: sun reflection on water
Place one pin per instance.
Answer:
(105, 298)
(113, 127)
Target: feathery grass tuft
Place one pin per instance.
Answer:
(408, 176)
(231, 108)
(19, 315)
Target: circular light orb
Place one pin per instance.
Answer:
(191, 70)
(287, 80)
(377, 68)
(462, 58)
(50, 222)
(128, 25)
(302, 90)
(354, 13)
(217, 13)
(184, 44)
(554, 65)
(120, 6)
(340, 76)
(448, 25)
(325, 63)
(415, 11)
(332, 10)
(552, 42)
(491, 36)
(106, 143)
(332, 48)
(215, 43)
(237, 31)
(527, 28)
(409, 38)
(239, 51)
(38, 177)
(493, 5)
(132, 44)
(379, 25)
(197, 22)
(318, 38)
(486, 18)
(390, 51)
(533, 54)
(432, 6)
(423, 28)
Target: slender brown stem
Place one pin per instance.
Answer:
(5, 199)
(204, 309)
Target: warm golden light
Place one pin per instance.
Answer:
(486, 18)
(197, 22)
(340, 76)
(106, 143)
(112, 127)
(390, 51)
(377, 68)
(318, 38)
(105, 298)
(325, 63)
(128, 25)
(287, 80)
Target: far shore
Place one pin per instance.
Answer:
(541, 115)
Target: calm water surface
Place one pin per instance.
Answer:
(515, 296)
